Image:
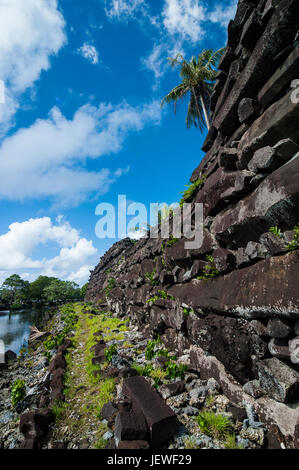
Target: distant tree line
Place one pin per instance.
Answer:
(17, 293)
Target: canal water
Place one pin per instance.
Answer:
(15, 327)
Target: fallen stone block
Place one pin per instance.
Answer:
(294, 350)
(161, 420)
(279, 348)
(109, 412)
(133, 445)
(259, 328)
(130, 426)
(58, 362)
(254, 389)
(99, 359)
(277, 328)
(170, 390)
(278, 380)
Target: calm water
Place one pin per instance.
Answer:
(14, 327)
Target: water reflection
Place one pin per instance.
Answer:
(15, 327)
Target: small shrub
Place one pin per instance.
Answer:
(159, 375)
(18, 392)
(209, 271)
(190, 443)
(210, 400)
(106, 391)
(145, 370)
(174, 370)
(187, 311)
(294, 244)
(276, 231)
(169, 243)
(214, 425)
(151, 278)
(192, 188)
(58, 409)
(150, 348)
(110, 352)
(161, 295)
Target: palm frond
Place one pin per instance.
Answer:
(214, 57)
(174, 95)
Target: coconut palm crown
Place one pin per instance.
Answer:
(198, 77)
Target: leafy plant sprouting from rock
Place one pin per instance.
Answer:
(18, 392)
(110, 286)
(276, 231)
(192, 188)
(214, 425)
(161, 295)
(294, 244)
(150, 348)
(151, 277)
(110, 352)
(209, 271)
(175, 370)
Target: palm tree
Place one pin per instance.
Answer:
(198, 77)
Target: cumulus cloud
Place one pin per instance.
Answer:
(47, 159)
(31, 32)
(123, 10)
(75, 255)
(222, 14)
(184, 18)
(89, 52)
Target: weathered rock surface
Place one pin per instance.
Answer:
(160, 419)
(244, 311)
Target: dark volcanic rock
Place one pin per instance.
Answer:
(161, 420)
(130, 426)
(278, 380)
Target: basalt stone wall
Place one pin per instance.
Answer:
(242, 326)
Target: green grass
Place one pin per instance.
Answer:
(86, 392)
(230, 443)
(190, 443)
(192, 188)
(18, 392)
(107, 389)
(214, 425)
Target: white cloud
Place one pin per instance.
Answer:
(223, 14)
(19, 244)
(31, 32)
(156, 62)
(89, 52)
(184, 18)
(123, 10)
(47, 159)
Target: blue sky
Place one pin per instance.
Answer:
(81, 122)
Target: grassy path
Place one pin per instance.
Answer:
(78, 419)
